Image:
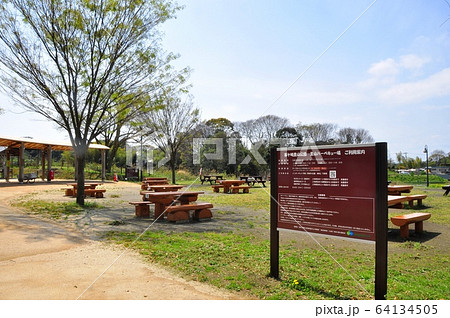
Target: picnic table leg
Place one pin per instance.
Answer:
(419, 227)
(404, 231)
(143, 211)
(159, 209)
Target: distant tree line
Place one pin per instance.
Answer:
(437, 158)
(236, 147)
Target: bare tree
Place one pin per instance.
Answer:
(72, 61)
(261, 129)
(354, 136)
(171, 124)
(437, 156)
(319, 133)
(126, 125)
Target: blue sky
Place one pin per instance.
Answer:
(389, 73)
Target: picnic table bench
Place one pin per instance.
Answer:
(235, 189)
(403, 222)
(217, 187)
(176, 213)
(447, 189)
(94, 193)
(30, 177)
(142, 208)
(399, 200)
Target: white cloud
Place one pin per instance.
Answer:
(390, 67)
(412, 62)
(436, 85)
(387, 67)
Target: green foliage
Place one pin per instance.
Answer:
(84, 64)
(395, 177)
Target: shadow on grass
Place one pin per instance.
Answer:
(394, 236)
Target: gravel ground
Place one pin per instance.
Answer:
(45, 259)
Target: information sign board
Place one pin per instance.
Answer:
(329, 190)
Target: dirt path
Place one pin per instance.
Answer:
(41, 259)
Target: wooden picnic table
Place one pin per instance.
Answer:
(160, 188)
(89, 188)
(87, 185)
(447, 189)
(163, 199)
(154, 178)
(253, 180)
(165, 187)
(146, 183)
(399, 189)
(227, 184)
(210, 178)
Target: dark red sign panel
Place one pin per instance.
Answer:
(328, 190)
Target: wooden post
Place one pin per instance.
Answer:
(4, 168)
(49, 164)
(21, 162)
(43, 164)
(381, 222)
(103, 164)
(8, 164)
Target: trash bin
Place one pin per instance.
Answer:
(52, 175)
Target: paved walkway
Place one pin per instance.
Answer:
(42, 259)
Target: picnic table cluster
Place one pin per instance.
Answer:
(170, 202)
(397, 200)
(90, 189)
(253, 180)
(210, 178)
(232, 186)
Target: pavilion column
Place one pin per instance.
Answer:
(43, 164)
(8, 164)
(4, 169)
(103, 165)
(21, 162)
(49, 164)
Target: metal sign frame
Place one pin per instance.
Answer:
(380, 211)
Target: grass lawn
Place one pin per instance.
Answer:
(239, 260)
(237, 257)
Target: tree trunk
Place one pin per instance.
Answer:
(81, 163)
(172, 167)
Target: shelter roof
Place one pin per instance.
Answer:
(29, 143)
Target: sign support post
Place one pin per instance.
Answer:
(381, 222)
(274, 233)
